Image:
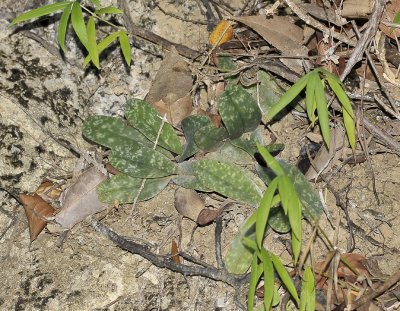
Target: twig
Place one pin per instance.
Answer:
(165, 261)
(317, 25)
(152, 37)
(373, 293)
(365, 39)
(218, 232)
(180, 17)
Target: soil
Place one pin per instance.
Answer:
(44, 100)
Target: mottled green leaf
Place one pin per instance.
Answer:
(226, 63)
(232, 153)
(111, 132)
(108, 10)
(79, 24)
(278, 221)
(208, 137)
(190, 125)
(228, 180)
(123, 188)
(239, 111)
(141, 162)
(145, 119)
(186, 178)
(62, 27)
(92, 44)
(41, 11)
(125, 46)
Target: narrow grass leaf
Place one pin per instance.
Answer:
(307, 298)
(288, 97)
(92, 44)
(254, 277)
(396, 20)
(42, 11)
(310, 93)
(287, 193)
(108, 10)
(270, 160)
(103, 45)
(268, 279)
(323, 114)
(339, 91)
(62, 27)
(125, 46)
(79, 24)
(296, 247)
(285, 277)
(263, 211)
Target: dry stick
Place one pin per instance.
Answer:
(317, 25)
(152, 37)
(165, 261)
(373, 293)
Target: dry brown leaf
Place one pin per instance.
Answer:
(81, 200)
(222, 33)
(207, 216)
(280, 32)
(391, 10)
(172, 86)
(49, 191)
(36, 210)
(174, 252)
(188, 203)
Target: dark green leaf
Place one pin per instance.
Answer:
(146, 119)
(239, 111)
(79, 24)
(62, 27)
(208, 137)
(141, 162)
(43, 10)
(186, 177)
(125, 46)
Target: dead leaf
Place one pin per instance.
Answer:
(36, 211)
(81, 200)
(188, 203)
(49, 191)
(172, 86)
(222, 33)
(391, 10)
(280, 32)
(207, 216)
(174, 252)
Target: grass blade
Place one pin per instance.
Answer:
(323, 114)
(62, 27)
(92, 45)
(287, 98)
(270, 160)
(310, 94)
(285, 277)
(125, 46)
(307, 299)
(268, 279)
(79, 24)
(105, 43)
(256, 271)
(350, 129)
(42, 11)
(263, 211)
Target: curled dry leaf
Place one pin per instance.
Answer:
(48, 190)
(36, 210)
(222, 33)
(207, 216)
(81, 200)
(188, 203)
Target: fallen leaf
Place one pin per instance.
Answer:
(207, 216)
(174, 252)
(222, 33)
(48, 190)
(392, 8)
(81, 200)
(188, 203)
(170, 90)
(280, 32)
(36, 211)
